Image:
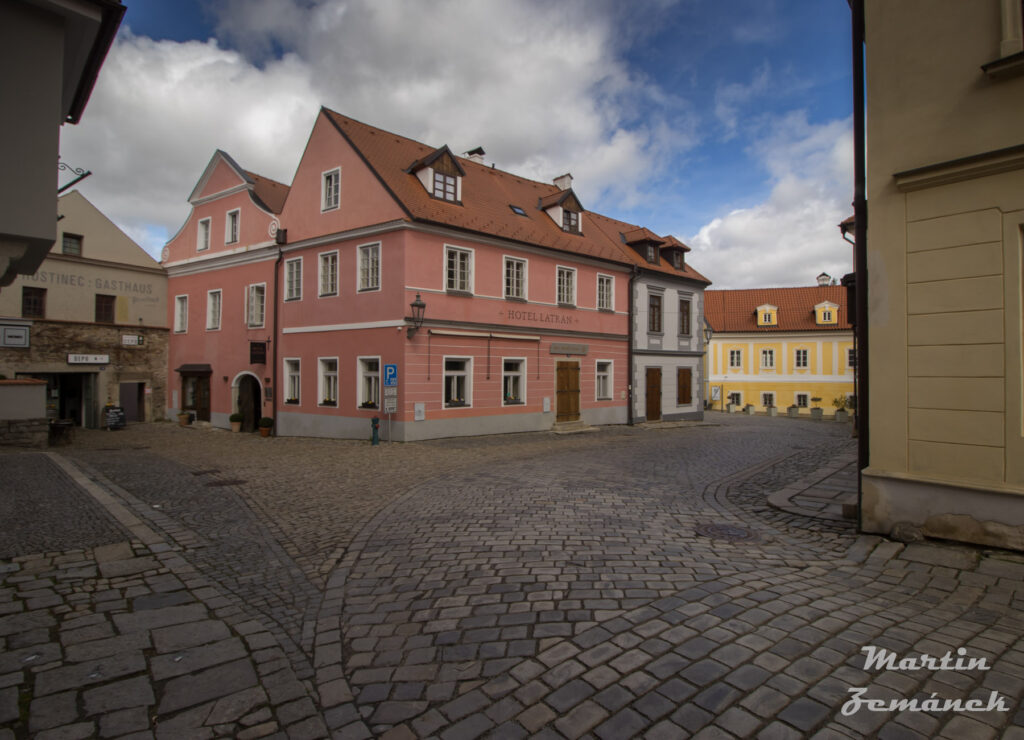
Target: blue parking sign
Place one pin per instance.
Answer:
(390, 376)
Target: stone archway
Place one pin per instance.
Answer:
(248, 401)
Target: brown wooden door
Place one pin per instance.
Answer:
(653, 394)
(567, 387)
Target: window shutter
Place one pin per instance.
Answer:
(684, 381)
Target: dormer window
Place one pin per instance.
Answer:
(652, 254)
(440, 174)
(445, 187)
(826, 312)
(677, 260)
(767, 315)
(565, 209)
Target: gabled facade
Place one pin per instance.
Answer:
(780, 347)
(91, 322)
(945, 175)
(525, 320)
(222, 267)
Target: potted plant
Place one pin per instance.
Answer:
(265, 425)
(236, 422)
(184, 418)
(771, 411)
(749, 409)
(840, 403)
(793, 411)
(816, 411)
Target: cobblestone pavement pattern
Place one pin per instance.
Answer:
(633, 582)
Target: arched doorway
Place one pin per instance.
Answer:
(248, 401)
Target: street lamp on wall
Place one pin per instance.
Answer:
(418, 308)
(708, 333)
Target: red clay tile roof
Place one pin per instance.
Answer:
(736, 310)
(271, 192)
(643, 234)
(487, 194)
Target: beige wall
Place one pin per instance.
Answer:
(111, 264)
(31, 57)
(944, 273)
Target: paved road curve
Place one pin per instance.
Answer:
(625, 583)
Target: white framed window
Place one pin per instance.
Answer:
(203, 235)
(515, 278)
(605, 292)
(513, 381)
(369, 382)
(180, 314)
(256, 305)
(851, 358)
(293, 279)
(327, 381)
(458, 382)
(768, 359)
(826, 315)
(565, 282)
(459, 269)
(292, 380)
(736, 398)
(369, 267)
(330, 189)
(767, 399)
(570, 221)
(231, 226)
(603, 380)
(800, 358)
(329, 274)
(735, 358)
(802, 400)
(213, 304)
(445, 187)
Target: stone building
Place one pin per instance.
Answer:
(90, 322)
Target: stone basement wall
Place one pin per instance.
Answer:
(24, 432)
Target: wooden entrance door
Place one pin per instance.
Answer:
(567, 387)
(653, 394)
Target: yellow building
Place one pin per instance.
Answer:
(781, 348)
(945, 183)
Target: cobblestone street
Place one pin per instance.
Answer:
(661, 581)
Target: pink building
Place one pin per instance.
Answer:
(299, 303)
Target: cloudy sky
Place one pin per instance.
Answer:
(726, 124)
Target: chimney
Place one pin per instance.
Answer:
(563, 182)
(824, 279)
(476, 155)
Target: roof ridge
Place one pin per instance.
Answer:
(489, 168)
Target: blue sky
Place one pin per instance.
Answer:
(726, 124)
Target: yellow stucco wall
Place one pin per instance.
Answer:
(944, 272)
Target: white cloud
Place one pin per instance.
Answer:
(541, 86)
(792, 236)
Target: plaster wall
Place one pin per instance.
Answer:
(944, 274)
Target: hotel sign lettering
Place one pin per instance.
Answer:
(537, 317)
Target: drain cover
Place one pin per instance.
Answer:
(229, 482)
(721, 531)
